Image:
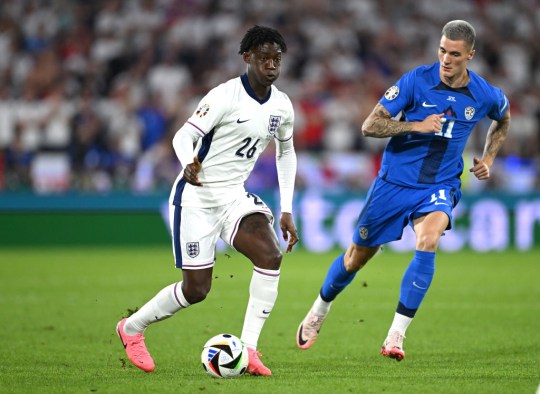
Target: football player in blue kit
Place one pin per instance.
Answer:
(418, 183)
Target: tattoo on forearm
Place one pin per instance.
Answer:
(380, 125)
(495, 138)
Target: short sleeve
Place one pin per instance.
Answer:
(500, 105)
(400, 95)
(210, 110)
(285, 130)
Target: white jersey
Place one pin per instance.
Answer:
(234, 126)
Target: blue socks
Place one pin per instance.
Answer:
(414, 285)
(336, 279)
(415, 282)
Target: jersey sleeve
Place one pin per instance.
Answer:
(285, 130)
(500, 104)
(400, 95)
(210, 110)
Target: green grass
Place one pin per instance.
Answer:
(477, 332)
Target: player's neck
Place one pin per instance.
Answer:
(458, 81)
(260, 90)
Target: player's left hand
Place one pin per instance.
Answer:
(480, 169)
(191, 172)
(288, 229)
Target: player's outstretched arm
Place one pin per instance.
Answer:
(286, 169)
(379, 124)
(288, 229)
(495, 138)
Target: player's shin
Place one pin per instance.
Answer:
(336, 279)
(415, 283)
(165, 304)
(263, 292)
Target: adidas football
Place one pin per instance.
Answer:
(224, 356)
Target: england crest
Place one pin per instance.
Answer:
(273, 124)
(192, 249)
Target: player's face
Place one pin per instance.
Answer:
(453, 57)
(264, 63)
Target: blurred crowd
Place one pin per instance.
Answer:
(92, 92)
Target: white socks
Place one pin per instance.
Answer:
(400, 323)
(263, 292)
(321, 307)
(165, 304)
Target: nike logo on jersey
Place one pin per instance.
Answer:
(265, 312)
(418, 287)
(426, 105)
(505, 104)
(440, 203)
(242, 121)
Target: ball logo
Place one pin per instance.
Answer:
(363, 232)
(391, 93)
(211, 353)
(202, 110)
(469, 113)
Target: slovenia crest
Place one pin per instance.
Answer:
(469, 113)
(363, 231)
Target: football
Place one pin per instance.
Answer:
(224, 356)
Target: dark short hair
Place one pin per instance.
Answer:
(260, 35)
(459, 30)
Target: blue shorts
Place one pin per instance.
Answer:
(389, 208)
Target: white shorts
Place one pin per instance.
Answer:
(195, 231)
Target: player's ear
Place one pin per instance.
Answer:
(246, 56)
(471, 54)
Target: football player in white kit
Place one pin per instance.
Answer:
(230, 128)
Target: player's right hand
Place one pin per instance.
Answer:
(431, 124)
(191, 172)
(288, 229)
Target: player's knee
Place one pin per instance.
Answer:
(353, 264)
(196, 293)
(270, 261)
(357, 256)
(427, 242)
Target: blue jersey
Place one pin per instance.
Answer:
(421, 160)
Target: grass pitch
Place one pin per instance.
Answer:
(477, 331)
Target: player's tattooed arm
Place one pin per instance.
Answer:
(496, 135)
(495, 138)
(379, 124)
